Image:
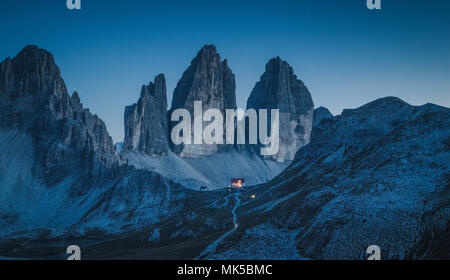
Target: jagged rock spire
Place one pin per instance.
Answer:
(146, 121)
(279, 88)
(210, 80)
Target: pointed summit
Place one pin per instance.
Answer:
(34, 77)
(279, 88)
(207, 78)
(207, 52)
(75, 102)
(210, 80)
(39, 67)
(32, 56)
(33, 51)
(146, 121)
(34, 98)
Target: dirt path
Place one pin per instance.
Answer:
(211, 249)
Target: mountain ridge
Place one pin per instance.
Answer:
(365, 185)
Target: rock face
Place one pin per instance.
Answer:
(320, 113)
(34, 98)
(30, 84)
(146, 128)
(279, 88)
(59, 169)
(378, 170)
(210, 80)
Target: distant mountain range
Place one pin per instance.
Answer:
(375, 175)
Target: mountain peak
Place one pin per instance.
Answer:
(276, 63)
(33, 73)
(208, 49)
(158, 86)
(159, 77)
(320, 113)
(31, 48)
(35, 98)
(385, 105)
(388, 100)
(207, 54)
(208, 79)
(146, 121)
(279, 88)
(75, 101)
(37, 70)
(32, 55)
(275, 60)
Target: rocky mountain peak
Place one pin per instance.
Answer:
(386, 104)
(146, 128)
(37, 70)
(210, 80)
(320, 113)
(33, 77)
(274, 64)
(279, 88)
(75, 102)
(34, 98)
(207, 52)
(207, 79)
(34, 59)
(157, 87)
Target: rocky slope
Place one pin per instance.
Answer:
(279, 88)
(146, 128)
(213, 172)
(375, 175)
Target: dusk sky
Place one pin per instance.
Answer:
(346, 54)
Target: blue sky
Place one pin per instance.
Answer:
(346, 54)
